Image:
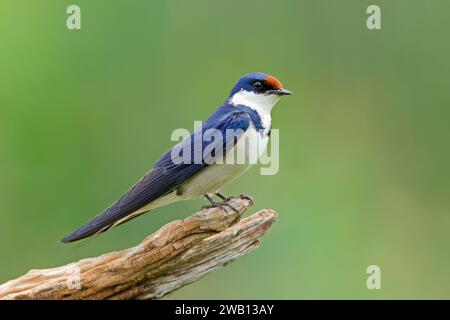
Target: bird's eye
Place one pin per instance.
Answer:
(257, 85)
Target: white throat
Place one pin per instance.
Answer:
(261, 103)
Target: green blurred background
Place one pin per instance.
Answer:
(364, 172)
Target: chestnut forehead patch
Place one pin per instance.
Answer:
(273, 82)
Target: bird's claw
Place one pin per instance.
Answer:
(230, 206)
(220, 205)
(243, 196)
(225, 200)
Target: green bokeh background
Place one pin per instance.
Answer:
(364, 172)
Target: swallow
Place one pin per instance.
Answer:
(247, 111)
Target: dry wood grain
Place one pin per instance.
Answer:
(179, 253)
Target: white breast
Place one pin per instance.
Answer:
(261, 103)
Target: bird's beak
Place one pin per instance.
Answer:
(280, 92)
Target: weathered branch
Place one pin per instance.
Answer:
(178, 254)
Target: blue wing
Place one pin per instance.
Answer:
(166, 175)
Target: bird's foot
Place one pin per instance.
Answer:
(243, 196)
(225, 200)
(215, 204)
(210, 206)
(221, 205)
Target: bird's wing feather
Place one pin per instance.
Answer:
(165, 177)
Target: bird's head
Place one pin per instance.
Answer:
(258, 90)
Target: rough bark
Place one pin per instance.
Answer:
(179, 253)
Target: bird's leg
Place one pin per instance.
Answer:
(224, 198)
(225, 201)
(215, 204)
(243, 196)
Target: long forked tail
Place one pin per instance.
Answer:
(96, 227)
(155, 185)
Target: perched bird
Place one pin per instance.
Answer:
(247, 110)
